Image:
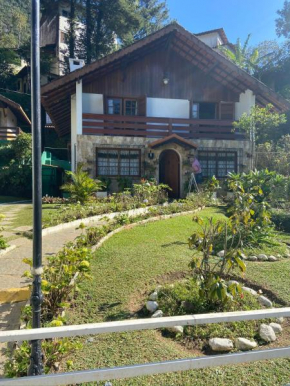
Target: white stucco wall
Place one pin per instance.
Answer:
(76, 121)
(213, 39)
(93, 103)
(247, 101)
(169, 108)
(7, 118)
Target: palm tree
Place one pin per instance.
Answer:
(242, 56)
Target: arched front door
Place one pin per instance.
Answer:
(169, 171)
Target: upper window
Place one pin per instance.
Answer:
(117, 106)
(114, 106)
(118, 162)
(203, 110)
(217, 163)
(130, 107)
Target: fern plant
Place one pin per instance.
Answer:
(81, 187)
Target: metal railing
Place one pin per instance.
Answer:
(97, 375)
(122, 125)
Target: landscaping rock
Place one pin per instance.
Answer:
(158, 288)
(250, 291)
(157, 314)
(151, 306)
(272, 258)
(265, 301)
(267, 333)
(233, 282)
(252, 258)
(178, 329)
(276, 327)
(187, 306)
(153, 296)
(90, 340)
(221, 344)
(262, 257)
(245, 344)
(221, 253)
(280, 320)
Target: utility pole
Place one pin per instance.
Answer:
(36, 365)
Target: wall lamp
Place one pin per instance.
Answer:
(151, 155)
(165, 79)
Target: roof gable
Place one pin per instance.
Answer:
(187, 45)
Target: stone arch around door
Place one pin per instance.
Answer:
(169, 171)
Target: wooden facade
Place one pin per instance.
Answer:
(145, 77)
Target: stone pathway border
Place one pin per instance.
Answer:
(88, 220)
(7, 250)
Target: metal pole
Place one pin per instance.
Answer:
(36, 365)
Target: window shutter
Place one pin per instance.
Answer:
(142, 106)
(227, 111)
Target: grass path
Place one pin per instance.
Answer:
(131, 263)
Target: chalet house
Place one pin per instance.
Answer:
(12, 117)
(145, 110)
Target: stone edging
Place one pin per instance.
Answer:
(87, 220)
(15, 202)
(152, 219)
(6, 250)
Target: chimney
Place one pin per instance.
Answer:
(75, 64)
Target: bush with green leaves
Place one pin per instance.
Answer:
(60, 280)
(16, 171)
(253, 195)
(81, 187)
(150, 192)
(61, 276)
(210, 270)
(3, 243)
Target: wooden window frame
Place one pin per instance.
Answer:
(114, 98)
(130, 100)
(220, 110)
(216, 160)
(123, 101)
(118, 149)
(198, 103)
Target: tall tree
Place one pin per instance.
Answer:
(242, 55)
(154, 15)
(283, 21)
(72, 29)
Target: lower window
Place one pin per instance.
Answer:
(118, 162)
(217, 163)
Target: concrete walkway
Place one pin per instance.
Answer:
(12, 266)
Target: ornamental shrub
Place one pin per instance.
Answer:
(81, 187)
(209, 270)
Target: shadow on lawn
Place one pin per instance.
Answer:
(173, 243)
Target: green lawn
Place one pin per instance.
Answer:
(24, 217)
(127, 267)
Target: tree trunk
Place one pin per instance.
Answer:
(88, 31)
(72, 32)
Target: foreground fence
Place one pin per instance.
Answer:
(97, 375)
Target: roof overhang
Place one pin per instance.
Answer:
(56, 95)
(173, 138)
(16, 109)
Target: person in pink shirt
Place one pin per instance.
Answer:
(197, 170)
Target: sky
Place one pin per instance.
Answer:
(237, 17)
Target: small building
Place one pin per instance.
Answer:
(145, 110)
(12, 118)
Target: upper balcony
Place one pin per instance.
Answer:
(9, 133)
(119, 125)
